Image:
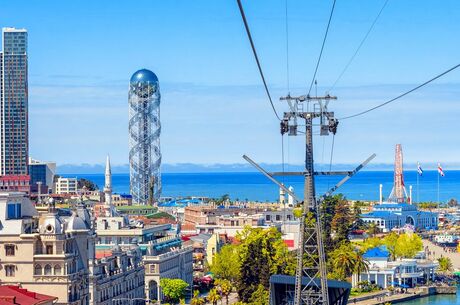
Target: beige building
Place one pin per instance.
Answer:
(54, 254)
(162, 251)
(66, 185)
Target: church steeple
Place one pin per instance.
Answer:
(108, 187)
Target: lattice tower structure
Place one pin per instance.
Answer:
(144, 137)
(398, 193)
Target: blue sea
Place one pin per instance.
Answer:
(254, 186)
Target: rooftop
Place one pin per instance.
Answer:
(377, 252)
(10, 294)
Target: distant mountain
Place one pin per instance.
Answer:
(238, 167)
(206, 168)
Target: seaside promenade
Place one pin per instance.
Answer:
(437, 252)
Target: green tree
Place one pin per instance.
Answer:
(225, 287)
(445, 264)
(327, 214)
(173, 289)
(360, 265)
(88, 184)
(262, 253)
(408, 245)
(343, 261)
(373, 229)
(226, 264)
(370, 243)
(196, 300)
(214, 296)
(391, 241)
(342, 221)
(260, 296)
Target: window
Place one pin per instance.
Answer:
(14, 210)
(278, 217)
(9, 250)
(47, 270)
(9, 270)
(57, 270)
(49, 249)
(38, 270)
(11, 211)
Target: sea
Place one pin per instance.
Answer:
(440, 299)
(254, 186)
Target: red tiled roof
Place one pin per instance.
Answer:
(10, 294)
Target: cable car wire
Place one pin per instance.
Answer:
(402, 95)
(322, 46)
(248, 32)
(359, 46)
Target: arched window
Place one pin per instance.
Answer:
(57, 270)
(47, 270)
(38, 270)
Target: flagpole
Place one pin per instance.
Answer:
(438, 187)
(417, 187)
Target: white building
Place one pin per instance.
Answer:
(389, 215)
(399, 273)
(66, 186)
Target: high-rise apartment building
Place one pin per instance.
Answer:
(14, 127)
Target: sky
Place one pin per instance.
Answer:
(213, 105)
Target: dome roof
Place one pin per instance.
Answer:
(143, 76)
(76, 223)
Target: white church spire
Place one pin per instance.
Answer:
(108, 187)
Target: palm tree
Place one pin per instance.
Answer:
(361, 264)
(373, 229)
(445, 264)
(344, 261)
(214, 296)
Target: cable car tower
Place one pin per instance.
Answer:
(311, 286)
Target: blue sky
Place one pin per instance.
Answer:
(82, 54)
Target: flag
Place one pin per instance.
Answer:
(419, 169)
(440, 171)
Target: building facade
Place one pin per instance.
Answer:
(389, 215)
(162, 251)
(15, 183)
(14, 127)
(53, 254)
(41, 174)
(66, 186)
(398, 273)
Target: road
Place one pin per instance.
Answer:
(437, 251)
